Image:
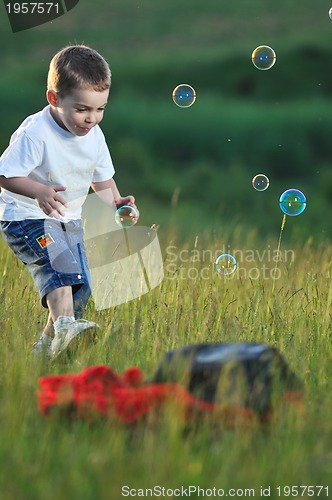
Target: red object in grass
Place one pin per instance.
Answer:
(100, 391)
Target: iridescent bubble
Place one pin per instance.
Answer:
(226, 264)
(260, 182)
(330, 13)
(263, 57)
(184, 95)
(126, 216)
(292, 202)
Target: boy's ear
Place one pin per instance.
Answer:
(52, 98)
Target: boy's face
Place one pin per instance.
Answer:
(79, 111)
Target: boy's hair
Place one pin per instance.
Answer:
(78, 66)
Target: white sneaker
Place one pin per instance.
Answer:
(43, 346)
(71, 334)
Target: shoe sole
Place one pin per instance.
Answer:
(82, 339)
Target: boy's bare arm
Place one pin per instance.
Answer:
(47, 197)
(109, 193)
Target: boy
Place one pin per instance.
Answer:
(52, 160)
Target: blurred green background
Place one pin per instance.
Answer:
(193, 167)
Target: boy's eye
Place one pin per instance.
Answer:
(82, 110)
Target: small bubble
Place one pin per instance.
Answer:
(260, 182)
(263, 57)
(226, 264)
(184, 95)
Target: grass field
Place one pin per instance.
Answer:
(51, 459)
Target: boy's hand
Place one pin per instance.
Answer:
(48, 199)
(126, 200)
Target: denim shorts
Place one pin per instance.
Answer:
(54, 254)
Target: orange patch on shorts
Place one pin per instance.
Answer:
(44, 240)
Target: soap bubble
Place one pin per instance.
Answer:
(292, 202)
(184, 95)
(263, 57)
(226, 264)
(126, 216)
(260, 182)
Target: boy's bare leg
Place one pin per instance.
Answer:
(60, 302)
(49, 328)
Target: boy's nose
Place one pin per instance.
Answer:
(91, 117)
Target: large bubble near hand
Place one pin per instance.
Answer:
(126, 216)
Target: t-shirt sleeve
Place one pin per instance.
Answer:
(104, 167)
(21, 157)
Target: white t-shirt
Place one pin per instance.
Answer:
(44, 152)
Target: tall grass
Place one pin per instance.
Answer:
(50, 459)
